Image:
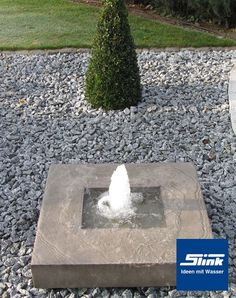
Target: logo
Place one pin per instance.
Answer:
(202, 264)
(208, 260)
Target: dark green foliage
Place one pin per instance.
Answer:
(222, 12)
(172, 6)
(112, 80)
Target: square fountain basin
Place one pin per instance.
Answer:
(76, 248)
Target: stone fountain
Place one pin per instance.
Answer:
(106, 226)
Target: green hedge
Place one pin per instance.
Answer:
(222, 12)
(112, 79)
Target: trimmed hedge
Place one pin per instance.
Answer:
(222, 12)
(112, 79)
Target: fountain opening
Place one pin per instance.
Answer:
(117, 202)
(122, 206)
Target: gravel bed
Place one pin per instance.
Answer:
(44, 119)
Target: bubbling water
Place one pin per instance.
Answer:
(117, 202)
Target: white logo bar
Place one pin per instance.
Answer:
(203, 260)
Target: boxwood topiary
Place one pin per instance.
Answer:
(112, 79)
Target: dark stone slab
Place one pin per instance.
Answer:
(70, 251)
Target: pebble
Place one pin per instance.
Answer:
(127, 294)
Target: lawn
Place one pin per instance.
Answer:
(44, 24)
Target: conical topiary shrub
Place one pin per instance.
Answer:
(112, 79)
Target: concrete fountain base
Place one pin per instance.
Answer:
(72, 251)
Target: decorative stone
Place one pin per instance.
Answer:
(232, 97)
(68, 253)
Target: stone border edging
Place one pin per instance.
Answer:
(232, 96)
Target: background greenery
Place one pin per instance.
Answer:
(43, 24)
(222, 12)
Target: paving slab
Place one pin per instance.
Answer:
(69, 254)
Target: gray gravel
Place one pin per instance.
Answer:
(184, 116)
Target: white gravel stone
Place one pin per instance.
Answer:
(232, 97)
(183, 116)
